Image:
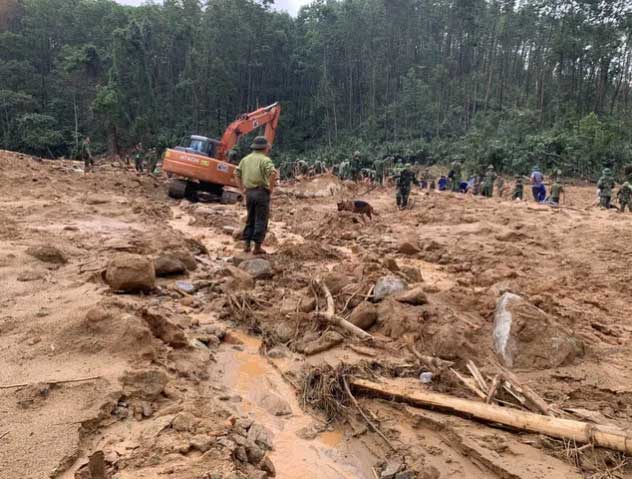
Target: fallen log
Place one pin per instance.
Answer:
(330, 315)
(603, 436)
(51, 383)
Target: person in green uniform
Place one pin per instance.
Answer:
(404, 180)
(518, 191)
(488, 183)
(256, 178)
(606, 184)
(378, 167)
(625, 196)
(557, 190)
(86, 155)
(455, 176)
(356, 166)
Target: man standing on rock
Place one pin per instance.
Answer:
(256, 177)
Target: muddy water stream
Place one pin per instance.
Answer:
(331, 455)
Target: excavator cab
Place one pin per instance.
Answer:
(201, 145)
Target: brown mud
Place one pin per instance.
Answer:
(202, 376)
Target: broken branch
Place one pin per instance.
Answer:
(330, 315)
(65, 381)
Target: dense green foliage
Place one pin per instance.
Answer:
(509, 82)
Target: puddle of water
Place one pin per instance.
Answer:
(329, 456)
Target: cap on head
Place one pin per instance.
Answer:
(490, 167)
(259, 143)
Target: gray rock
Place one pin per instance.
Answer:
(185, 286)
(240, 454)
(275, 405)
(278, 352)
(258, 268)
(526, 337)
(260, 435)
(201, 442)
(388, 285)
(183, 422)
(391, 469)
(254, 453)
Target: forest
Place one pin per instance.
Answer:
(513, 83)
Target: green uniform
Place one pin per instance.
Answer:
(556, 192)
(456, 176)
(518, 192)
(404, 181)
(255, 171)
(606, 185)
(356, 167)
(378, 166)
(625, 196)
(488, 183)
(86, 156)
(500, 186)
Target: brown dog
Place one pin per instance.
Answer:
(357, 206)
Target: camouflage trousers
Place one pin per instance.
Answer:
(403, 194)
(625, 204)
(604, 201)
(488, 190)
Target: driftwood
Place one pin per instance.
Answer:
(64, 381)
(330, 315)
(533, 400)
(581, 432)
(431, 361)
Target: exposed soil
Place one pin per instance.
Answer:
(201, 373)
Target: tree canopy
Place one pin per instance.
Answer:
(507, 82)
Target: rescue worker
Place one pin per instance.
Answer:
(537, 185)
(256, 178)
(518, 191)
(625, 196)
(139, 159)
(86, 155)
(404, 181)
(378, 167)
(356, 166)
(500, 186)
(557, 190)
(455, 176)
(233, 157)
(319, 167)
(344, 170)
(606, 184)
(488, 183)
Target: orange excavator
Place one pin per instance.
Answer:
(203, 168)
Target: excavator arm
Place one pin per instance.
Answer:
(268, 116)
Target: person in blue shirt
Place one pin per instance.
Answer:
(537, 185)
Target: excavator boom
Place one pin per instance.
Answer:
(268, 116)
(203, 166)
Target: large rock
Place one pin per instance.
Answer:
(408, 246)
(275, 405)
(526, 337)
(168, 265)
(364, 316)
(47, 254)
(415, 296)
(388, 285)
(131, 273)
(237, 279)
(258, 268)
(164, 329)
(336, 282)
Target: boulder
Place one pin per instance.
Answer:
(388, 285)
(131, 273)
(186, 258)
(47, 254)
(526, 337)
(168, 265)
(415, 296)
(238, 279)
(408, 246)
(145, 384)
(258, 268)
(164, 329)
(275, 405)
(364, 316)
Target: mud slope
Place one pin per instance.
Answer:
(222, 369)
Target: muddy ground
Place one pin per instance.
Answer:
(222, 369)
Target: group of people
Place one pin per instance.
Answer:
(143, 159)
